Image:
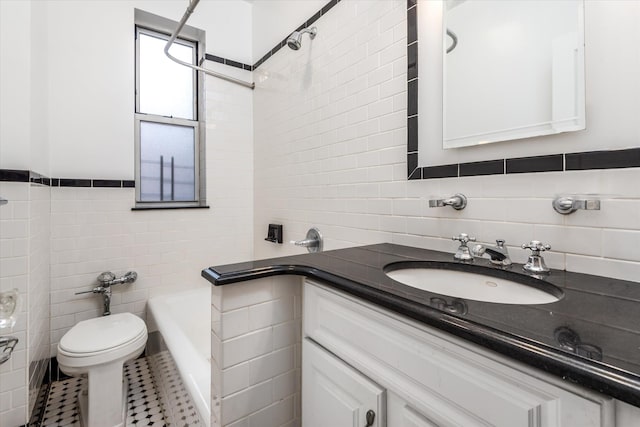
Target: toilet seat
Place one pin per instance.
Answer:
(102, 334)
(102, 340)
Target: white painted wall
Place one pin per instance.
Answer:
(90, 59)
(15, 87)
(612, 90)
(274, 20)
(330, 151)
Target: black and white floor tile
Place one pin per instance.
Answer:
(156, 401)
(179, 409)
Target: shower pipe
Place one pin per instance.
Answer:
(174, 35)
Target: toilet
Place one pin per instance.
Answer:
(99, 348)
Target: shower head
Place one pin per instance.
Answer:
(294, 40)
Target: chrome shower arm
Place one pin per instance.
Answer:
(174, 35)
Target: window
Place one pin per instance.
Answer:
(168, 134)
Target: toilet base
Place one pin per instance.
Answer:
(83, 406)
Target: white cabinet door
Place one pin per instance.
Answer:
(336, 395)
(401, 414)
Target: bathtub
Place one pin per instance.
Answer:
(184, 321)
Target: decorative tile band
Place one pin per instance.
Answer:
(228, 62)
(16, 175)
(605, 159)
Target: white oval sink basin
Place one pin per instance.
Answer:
(473, 286)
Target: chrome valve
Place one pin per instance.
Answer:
(463, 253)
(106, 280)
(535, 263)
(312, 241)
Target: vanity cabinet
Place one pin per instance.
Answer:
(359, 357)
(337, 394)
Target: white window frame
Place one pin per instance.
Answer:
(159, 27)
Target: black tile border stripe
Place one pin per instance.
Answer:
(14, 175)
(629, 158)
(491, 167)
(229, 62)
(326, 8)
(604, 159)
(552, 163)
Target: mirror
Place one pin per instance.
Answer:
(511, 70)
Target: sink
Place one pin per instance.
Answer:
(473, 282)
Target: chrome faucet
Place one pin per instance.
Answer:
(106, 280)
(498, 254)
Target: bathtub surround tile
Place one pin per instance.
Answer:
(246, 347)
(258, 371)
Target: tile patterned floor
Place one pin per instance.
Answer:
(158, 403)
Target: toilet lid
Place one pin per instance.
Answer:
(103, 333)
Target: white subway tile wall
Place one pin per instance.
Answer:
(255, 342)
(39, 288)
(14, 274)
(95, 230)
(24, 265)
(330, 151)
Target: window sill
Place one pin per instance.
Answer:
(160, 208)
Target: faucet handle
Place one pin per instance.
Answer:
(567, 205)
(464, 238)
(500, 243)
(458, 202)
(536, 246)
(463, 253)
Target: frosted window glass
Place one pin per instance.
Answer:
(160, 144)
(166, 87)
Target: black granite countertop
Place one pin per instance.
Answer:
(590, 337)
